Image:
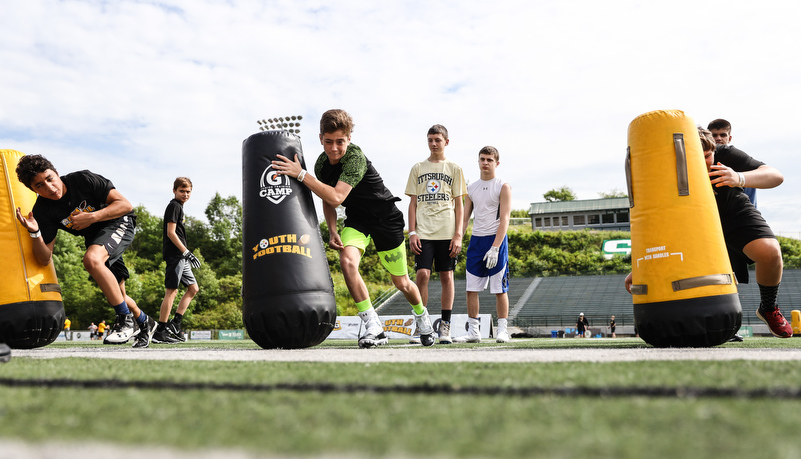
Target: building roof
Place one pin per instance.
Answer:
(578, 205)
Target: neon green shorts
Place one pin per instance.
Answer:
(393, 260)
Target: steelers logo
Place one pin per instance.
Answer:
(433, 186)
(263, 244)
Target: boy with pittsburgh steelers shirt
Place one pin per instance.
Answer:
(346, 177)
(436, 187)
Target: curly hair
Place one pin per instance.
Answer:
(31, 165)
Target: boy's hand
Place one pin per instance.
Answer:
(192, 259)
(491, 257)
(414, 244)
(285, 166)
(724, 176)
(456, 246)
(29, 223)
(335, 242)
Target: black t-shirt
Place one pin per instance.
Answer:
(369, 198)
(732, 202)
(173, 214)
(86, 192)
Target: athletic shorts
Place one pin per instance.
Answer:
(394, 259)
(179, 271)
(477, 275)
(115, 237)
(435, 253)
(747, 226)
(386, 232)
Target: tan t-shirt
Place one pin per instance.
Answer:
(435, 186)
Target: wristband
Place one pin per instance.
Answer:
(412, 233)
(742, 179)
(36, 234)
(302, 175)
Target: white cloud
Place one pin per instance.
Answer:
(145, 91)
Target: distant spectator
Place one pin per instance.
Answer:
(581, 325)
(612, 325)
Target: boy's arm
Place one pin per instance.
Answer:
(456, 241)
(174, 237)
(330, 214)
(333, 196)
(468, 209)
(41, 251)
(414, 240)
(762, 177)
(116, 206)
(506, 212)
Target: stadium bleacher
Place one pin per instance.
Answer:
(555, 302)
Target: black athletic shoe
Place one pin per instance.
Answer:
(5, 353)
(736, 338)
(146, 330)
(162, 336)
(174, 329)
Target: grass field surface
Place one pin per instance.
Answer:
(660, 409)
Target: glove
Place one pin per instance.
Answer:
(192, 259)
(491, 257)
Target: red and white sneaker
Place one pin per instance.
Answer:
(776, 322)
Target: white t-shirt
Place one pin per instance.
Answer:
(486, 197)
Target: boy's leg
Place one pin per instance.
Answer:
(166, 304)
(473, 332)
(766, 254)
(394, 261)
(94, 260)
(502, 309)
(349, 259)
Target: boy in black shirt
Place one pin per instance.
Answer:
(87, 204)
(180, 262)
(346, 177)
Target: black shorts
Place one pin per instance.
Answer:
(435, 253)
(738, 231)
(386, 232)
(179, 271)
(116, 236)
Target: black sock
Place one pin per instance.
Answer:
(446, 315)
(768, 295)
(178, 317)
(162, 326)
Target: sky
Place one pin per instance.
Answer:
(145, 91)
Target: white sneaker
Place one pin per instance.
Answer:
(503, 337)
(424, 327)
(122, 330)
(369, 340)
(414, 339)
(373, 330)
(445, 332)
(468, 338)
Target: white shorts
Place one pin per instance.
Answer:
(498, 282)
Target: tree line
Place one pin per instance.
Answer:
(218, 244)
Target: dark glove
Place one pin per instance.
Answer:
(192, 259)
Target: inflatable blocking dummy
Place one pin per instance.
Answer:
(31, 311)
(684, 290)
(288, 295)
